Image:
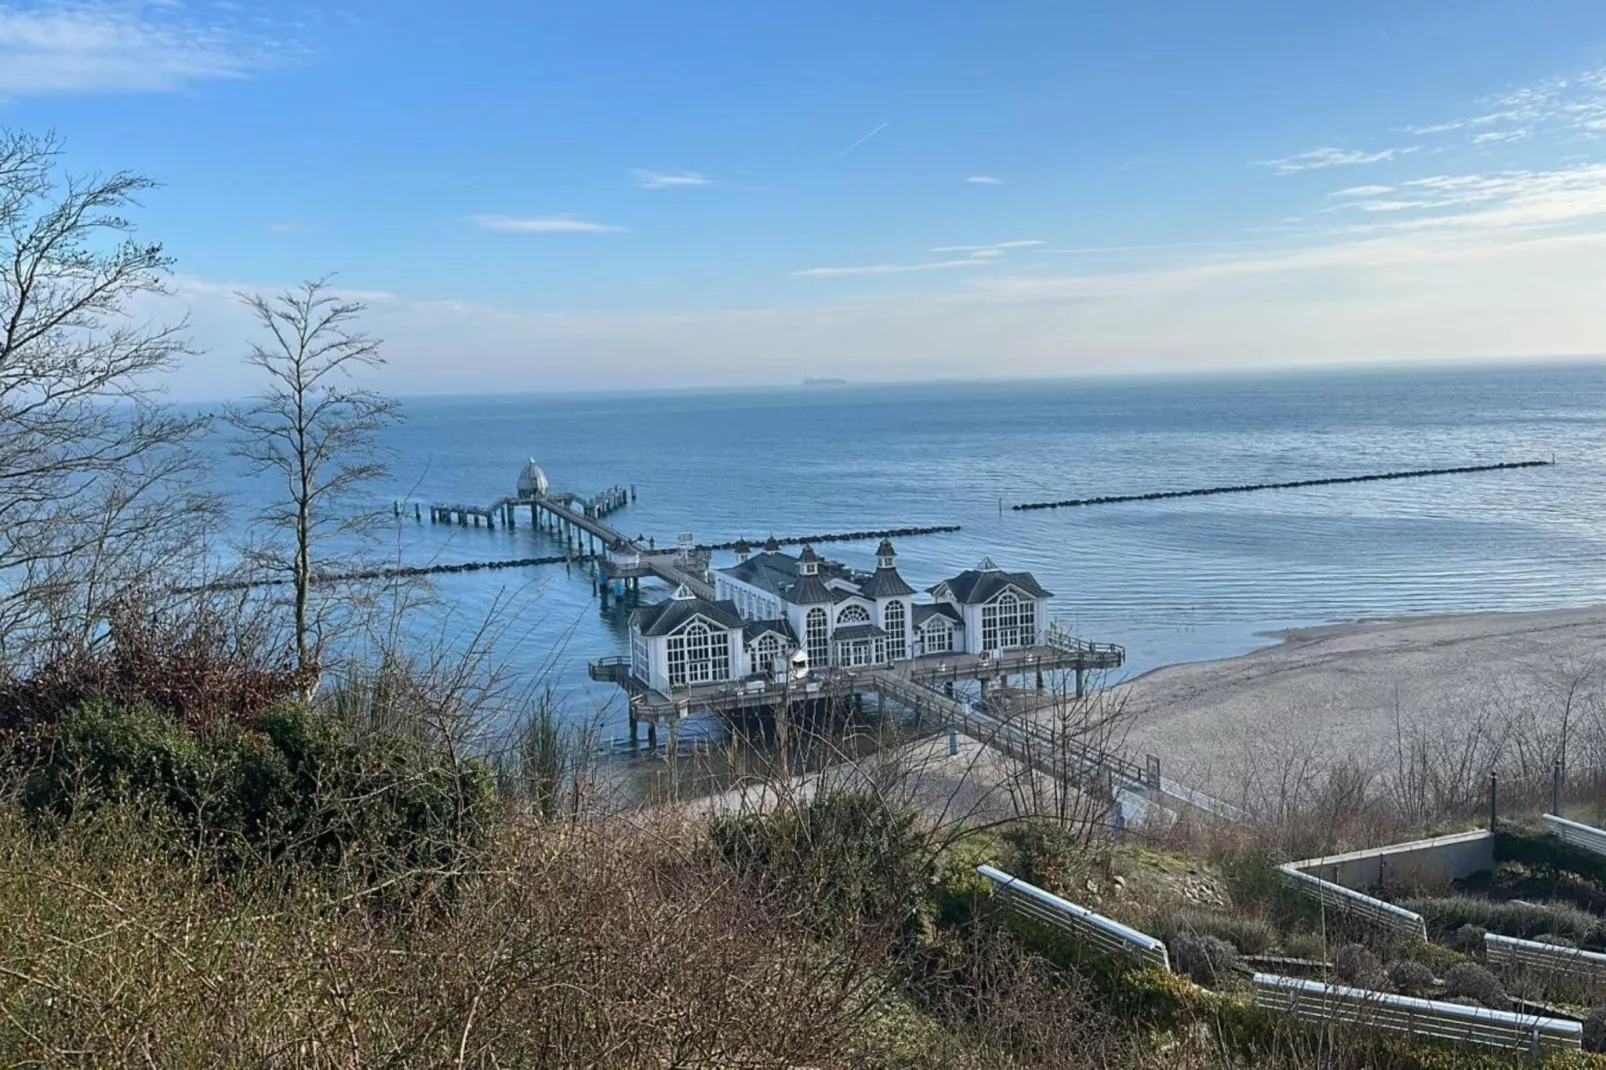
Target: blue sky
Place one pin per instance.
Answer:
(613, 193)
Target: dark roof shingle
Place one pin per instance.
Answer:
(662, 618)
(976, 586)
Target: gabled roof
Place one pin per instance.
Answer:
(886, 583)
(808, 591)
(857, 631)
(663, 618)
(768, 571)
(979, 585)
(848, 594)
(756, 629)
(922, 613)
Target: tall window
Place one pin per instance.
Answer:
(697, 655)
(1027, 618)
(853, 615)
(939, 636)
(895, 620)
(1008, 622)
(815, 627)
(765, 653)
(639, 666)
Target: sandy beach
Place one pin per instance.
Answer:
(1366, 691)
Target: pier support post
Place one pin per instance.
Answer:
(652, 736)
(1039, 679)
(418, 513)
(1081, 682)
(635, 727)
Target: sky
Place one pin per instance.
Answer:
(622, 193)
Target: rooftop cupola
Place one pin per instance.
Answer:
(743, 551)
(884, 555)
(808, 562)
(772, 545)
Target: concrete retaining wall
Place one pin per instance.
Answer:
(1441, 858)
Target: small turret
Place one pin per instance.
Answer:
(743, 551)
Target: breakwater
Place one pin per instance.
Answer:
(839, 536)
(414, 571)
(1245, 488)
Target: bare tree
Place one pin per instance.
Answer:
(317, 433)
(97, 485)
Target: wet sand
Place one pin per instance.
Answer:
(1363, 690)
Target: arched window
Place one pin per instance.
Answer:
(853, 615)
(939, 635)
(815, 628)
(894, 621)
(765, 653)
(1009, 621)
(697, 655)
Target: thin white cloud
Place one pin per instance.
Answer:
(1501, 135)
(548, 224)
(885, 269)
(863, 139)
(984, 180)
(983, 248)
(128, 46)
(289, 227)
(1362, 191)
(669, 179)
(1564, 104)
(1328, 156)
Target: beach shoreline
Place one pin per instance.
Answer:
(1352, 689)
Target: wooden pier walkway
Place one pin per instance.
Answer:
(1245, 488)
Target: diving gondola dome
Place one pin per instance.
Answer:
(533, 482)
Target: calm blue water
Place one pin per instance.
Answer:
(1172, 580)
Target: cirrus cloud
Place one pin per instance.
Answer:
(547, 224)
(128, 46)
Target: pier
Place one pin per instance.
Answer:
(1245, 488)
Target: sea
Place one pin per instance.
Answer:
(1170, 580)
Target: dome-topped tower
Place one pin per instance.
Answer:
(533, 482)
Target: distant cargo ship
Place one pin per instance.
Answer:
(824, 382)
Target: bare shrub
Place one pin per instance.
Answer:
(1595, 1030)
(1206, 960)
(1356, 965)
(1468, 980)
(1410, 978)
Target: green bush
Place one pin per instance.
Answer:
(1305, 945)
(843, 859)
(1536, 848)
(1043, 853)
(1249, 934)
(292, 788)
(1522, 920)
